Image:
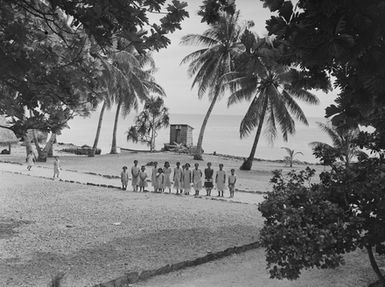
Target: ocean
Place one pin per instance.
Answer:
(221, 135)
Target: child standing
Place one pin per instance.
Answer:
(209, 172)
(197, 179)
(177, 178)
(124, 177)
(142, 179)
(56, 167)
(135, 176)
(30, 160)
(232, 181)
(187, 179)
(220, 180)
(160, 180)
(167, 176)
(153, 177)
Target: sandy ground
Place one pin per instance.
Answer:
(45, 172)
(97, 234)
(249, 269)
(255, 180)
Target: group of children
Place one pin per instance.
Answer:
(183, 178)
(56, 164)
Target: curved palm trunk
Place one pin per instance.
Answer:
(27, 142)
(113, 146)
(247, 164)
(152, 144)
(42, 154)
(50, 145)
(373, 263)
(96, 141)
(198, 152)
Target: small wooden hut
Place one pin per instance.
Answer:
(181, 134)
(7, 137)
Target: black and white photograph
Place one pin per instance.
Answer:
(192, 143)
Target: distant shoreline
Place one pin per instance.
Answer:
(229, 156)
(261, 159)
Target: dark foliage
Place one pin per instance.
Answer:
(211, 10)
(343, 39)
(313, 225)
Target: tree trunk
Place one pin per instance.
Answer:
(152, 145)
(113, 146)
(247, 164)
(28, 145)
(50, 147)
(374, 265)
(42, 154)
(96, 141)
(198, 152)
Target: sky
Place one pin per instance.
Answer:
(174, 79)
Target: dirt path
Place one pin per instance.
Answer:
(249, 269)
(97, 234)
(84, 178)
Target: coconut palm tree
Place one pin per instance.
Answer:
(107, 103)
(273, 90)
(141, 85)
(130, 80)
(342, 142)
(290, 155)
(221, 43)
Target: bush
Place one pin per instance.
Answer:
(313, 225)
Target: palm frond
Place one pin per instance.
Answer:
(332, 133)
(289, 151)
(252, 116)
(283, 117)
(199, 40)
(294, 108)
(193, 56)
(302, 95)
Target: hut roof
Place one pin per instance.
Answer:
(6, 135)
(185, 125)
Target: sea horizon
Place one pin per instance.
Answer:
(221, 135)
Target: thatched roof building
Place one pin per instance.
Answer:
(7, 137)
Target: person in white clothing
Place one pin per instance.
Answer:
(178, 178)
(135, 170)
(56, 167)
(220, 180)
(187, 179)
(167, 176)
(232, 181)
(153, 177)
(197, 179)
(142, 179)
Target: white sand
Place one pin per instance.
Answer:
(95, 234)
(249, 269)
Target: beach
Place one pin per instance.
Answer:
(255, 180)
(221, 135)
(95, 234)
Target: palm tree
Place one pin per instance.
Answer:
(107, 103)
(130, 78)
(342, 142)
(273, 90)
(291, 155)
(221, 43)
